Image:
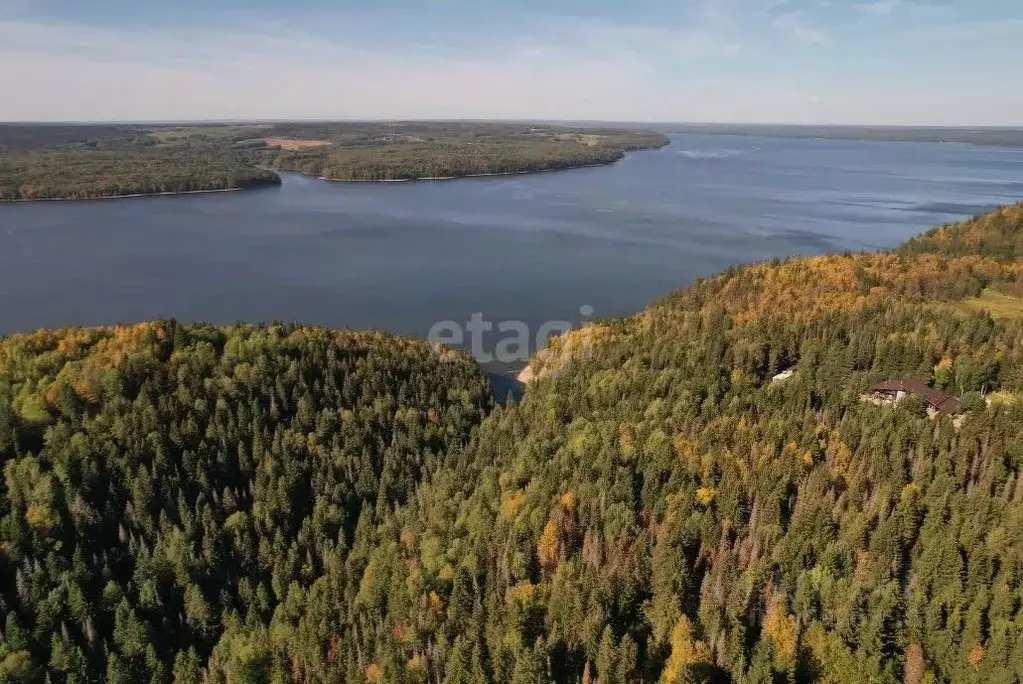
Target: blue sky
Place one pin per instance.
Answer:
(948, 62)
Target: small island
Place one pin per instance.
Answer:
(80, 162)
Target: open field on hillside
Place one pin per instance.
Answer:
(997, 304)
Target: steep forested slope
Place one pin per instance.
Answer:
(657, 508)
(998, 234)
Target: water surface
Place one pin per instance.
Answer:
(401, 256)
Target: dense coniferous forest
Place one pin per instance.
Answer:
(162, 481)
(93, 161)
(277, 504)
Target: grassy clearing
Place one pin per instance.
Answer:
(997, 304)
(291, 145)
(1004, 397)
(588, 139)
(181, 133)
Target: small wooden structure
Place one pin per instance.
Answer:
(893, 391)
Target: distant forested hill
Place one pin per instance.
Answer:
(279, 504)
(90, 161)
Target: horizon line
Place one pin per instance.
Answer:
(244, 121)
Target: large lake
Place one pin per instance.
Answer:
(401, 256)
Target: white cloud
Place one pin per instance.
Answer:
(797, 26)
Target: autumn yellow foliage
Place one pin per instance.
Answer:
(780, 627)
(511, 503)
(705, 495)
(686, 651)
(41, 518)
(436, 603)
(547, 547)
(522, 592)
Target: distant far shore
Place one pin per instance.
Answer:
(981, 135)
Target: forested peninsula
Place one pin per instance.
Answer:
(59, 161)
(443, 151)
(697, 493)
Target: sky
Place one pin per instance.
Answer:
(909, 62)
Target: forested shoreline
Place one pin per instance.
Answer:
(101, 161)
(194, 503)
(84, 162)
(87, 176)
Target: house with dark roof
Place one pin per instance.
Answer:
(893, 391)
